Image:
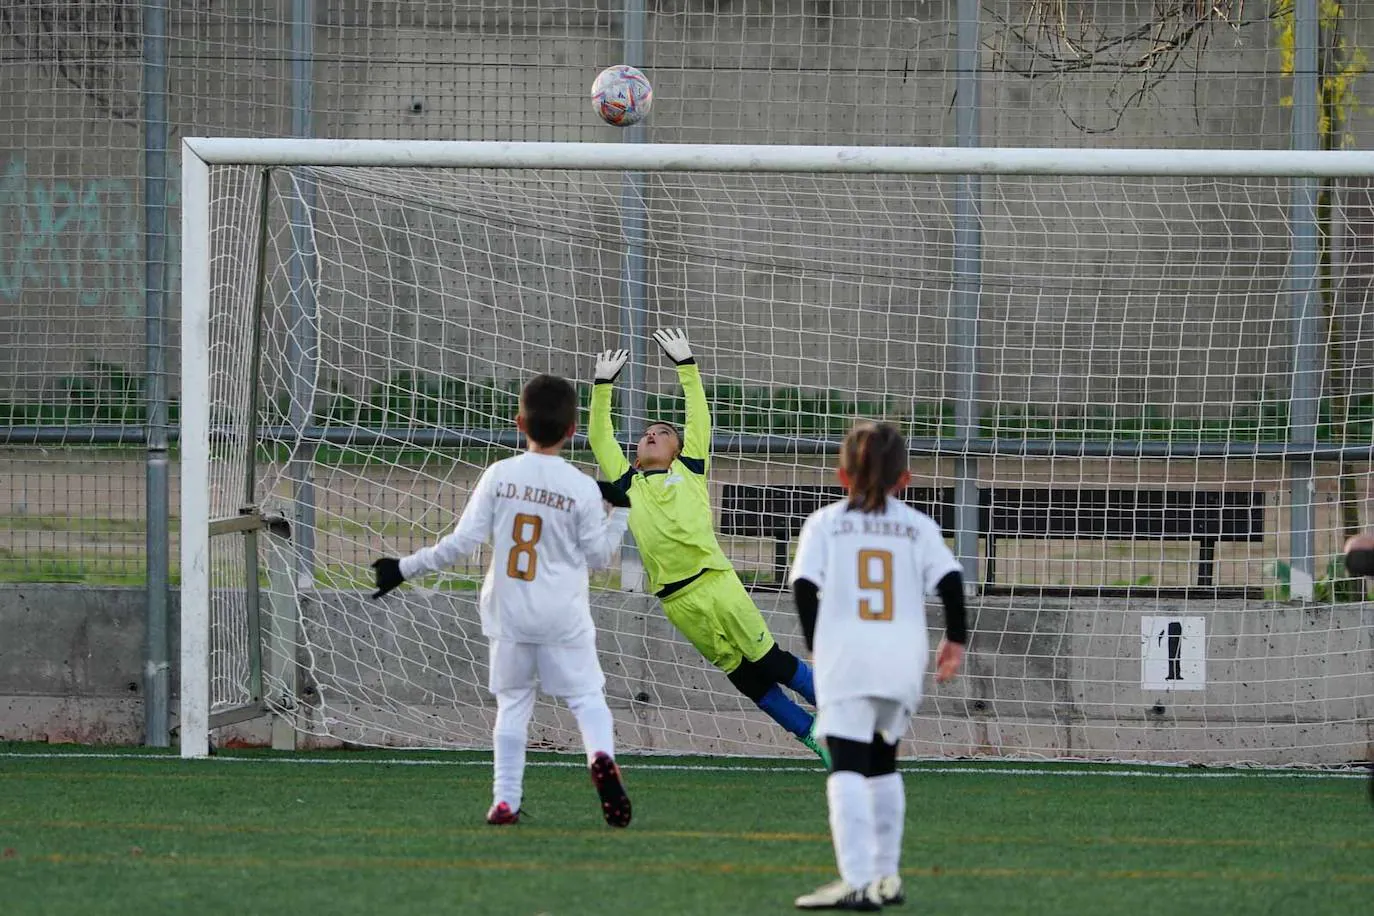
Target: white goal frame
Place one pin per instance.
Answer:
(199, 154)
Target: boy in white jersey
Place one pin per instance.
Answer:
(864, 566)
(546, 524)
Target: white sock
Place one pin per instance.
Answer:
(889, 817)
(851, 826)
(513, 711)
(595, 722)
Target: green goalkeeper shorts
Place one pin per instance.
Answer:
(719, 618)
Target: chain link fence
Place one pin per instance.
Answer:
(1175, 74)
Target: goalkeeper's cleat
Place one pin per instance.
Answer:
(890, 890)
(840, 896)
(615, 804)
(500, 815)
(817, 745)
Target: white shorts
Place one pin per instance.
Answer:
(561, 671)
(860, 718)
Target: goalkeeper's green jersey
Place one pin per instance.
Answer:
(670, 510)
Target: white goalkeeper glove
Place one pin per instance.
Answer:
(609, 363)
(673, 341)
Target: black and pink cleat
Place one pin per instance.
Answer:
(615, 804)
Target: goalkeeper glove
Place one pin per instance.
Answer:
(388, 575)
(673, 341)
(609, 363)
(614, 495)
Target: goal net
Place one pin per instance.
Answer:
(1111, 381)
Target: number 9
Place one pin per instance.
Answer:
(882, 583)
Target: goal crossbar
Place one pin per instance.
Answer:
(701, 157)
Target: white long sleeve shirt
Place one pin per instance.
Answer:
(547, 527)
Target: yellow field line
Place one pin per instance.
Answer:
(535, 831)
(483, 829)
(315, 777)
(719, 868)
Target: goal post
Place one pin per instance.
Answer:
(1159, 501)
(194, 447)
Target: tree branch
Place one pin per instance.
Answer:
(1049, 44)
(94, 46)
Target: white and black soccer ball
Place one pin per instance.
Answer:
(622, 96)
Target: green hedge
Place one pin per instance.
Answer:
(110, 394)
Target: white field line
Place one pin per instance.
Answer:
(1165, 771)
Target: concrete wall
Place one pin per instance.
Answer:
(774, 71)
(1096, 292)
(71, 664)
(1283, 684)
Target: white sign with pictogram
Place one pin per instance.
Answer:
(1173, 653)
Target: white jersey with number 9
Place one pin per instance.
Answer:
(873, 571)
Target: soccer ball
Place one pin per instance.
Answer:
(622, 95)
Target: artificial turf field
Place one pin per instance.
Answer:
(386, 832)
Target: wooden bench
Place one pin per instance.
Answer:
(1206, 517)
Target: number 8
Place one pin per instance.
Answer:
(524, 547)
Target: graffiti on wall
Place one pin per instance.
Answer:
(73, 240)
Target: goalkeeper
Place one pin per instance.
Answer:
(670, 515)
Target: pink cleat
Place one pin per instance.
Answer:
(501, 814)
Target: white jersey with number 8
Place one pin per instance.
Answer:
(873, 571)
(546, 524)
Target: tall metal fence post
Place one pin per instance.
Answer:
(968, 273)
(302, 345)
(157, 646)
(634, 225)
(1304, 262)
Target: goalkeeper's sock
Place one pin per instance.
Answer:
(851, 827)
(889, 816)
(803, 683)
(785, 712)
